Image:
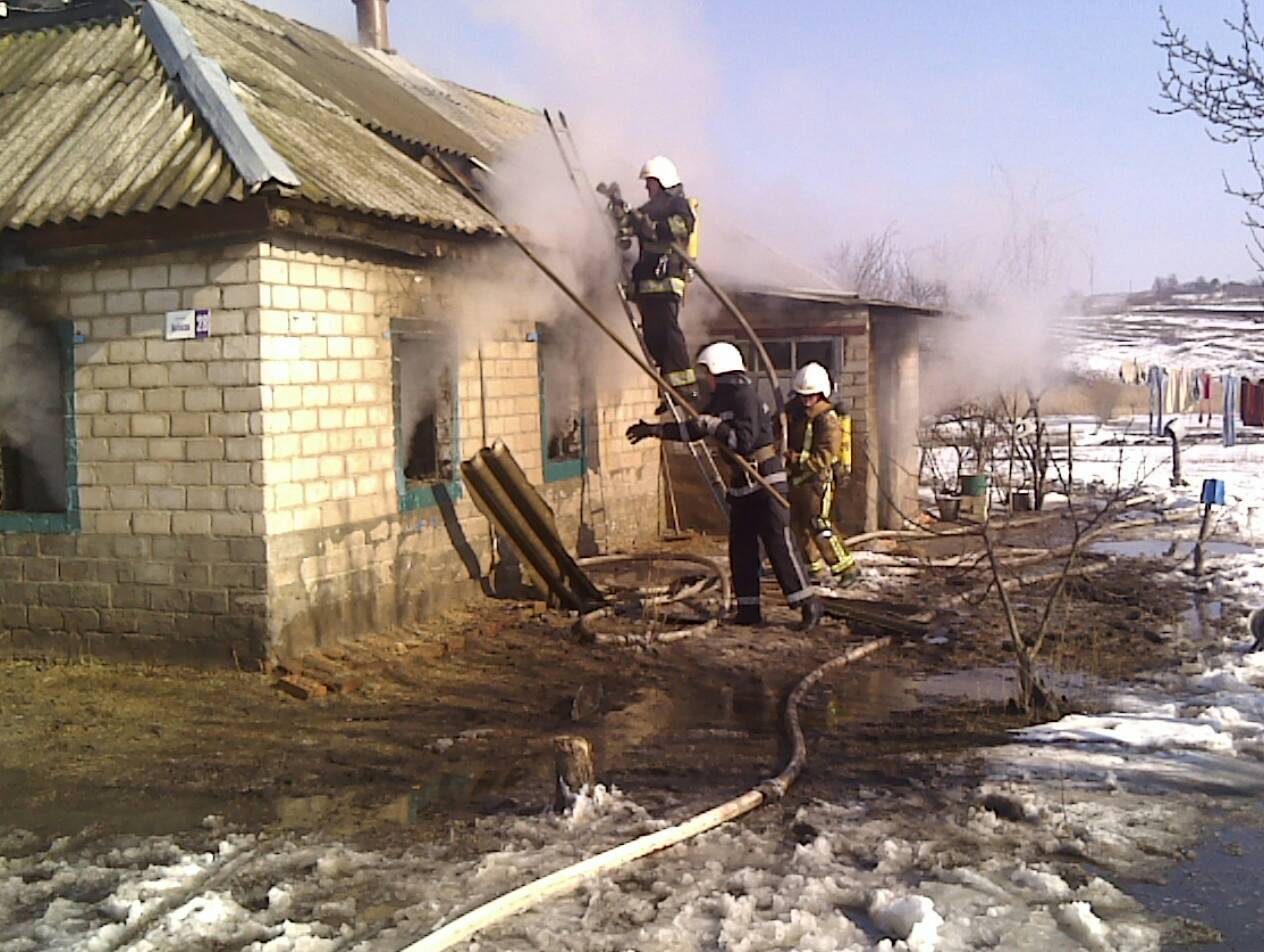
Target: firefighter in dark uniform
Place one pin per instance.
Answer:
(658, 277)
(741, 423)
(814, 462)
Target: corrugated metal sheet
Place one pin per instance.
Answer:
(88, 128)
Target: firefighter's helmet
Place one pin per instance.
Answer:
(812, 378)
(721, 358)
(662, 168)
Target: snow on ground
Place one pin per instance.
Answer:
(1034, 857)
(1217, 341)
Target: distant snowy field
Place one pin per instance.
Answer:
(1215, 338)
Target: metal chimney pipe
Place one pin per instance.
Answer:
(372, 24)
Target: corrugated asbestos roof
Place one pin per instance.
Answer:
(88, 127)
(832, 296)
(90, 124)
(494, 123)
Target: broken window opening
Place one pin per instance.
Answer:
(37, 471)
(427, 451)
(563, 396)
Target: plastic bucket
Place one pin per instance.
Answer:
(949, 507)
(975, 484)
(1020, 500)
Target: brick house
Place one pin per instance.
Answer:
(231, 402)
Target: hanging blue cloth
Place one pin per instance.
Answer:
(1229, 421)
(1156, 379)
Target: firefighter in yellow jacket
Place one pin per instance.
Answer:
(818, 457)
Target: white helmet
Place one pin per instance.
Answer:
(812, 378)
(662, 168)
(721, 358)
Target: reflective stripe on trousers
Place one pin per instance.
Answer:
(756, 519)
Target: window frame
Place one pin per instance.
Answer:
(414, 498)
(835, 342)
(68, 520)
(558, 470)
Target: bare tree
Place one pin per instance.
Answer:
(1034, 696)
(1226, 90)
(880, 268)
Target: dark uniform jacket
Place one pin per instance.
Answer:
(738, 420)
(665, 218)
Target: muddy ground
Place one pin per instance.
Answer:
(429, 739)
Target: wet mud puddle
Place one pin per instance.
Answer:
(1214, 897)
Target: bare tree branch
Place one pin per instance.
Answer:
(1226, 91)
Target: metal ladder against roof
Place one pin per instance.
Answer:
(698, 449)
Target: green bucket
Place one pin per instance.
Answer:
(975, 484)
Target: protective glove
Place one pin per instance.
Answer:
(641, 430)
(642, 225)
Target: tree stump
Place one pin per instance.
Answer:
(573, 769)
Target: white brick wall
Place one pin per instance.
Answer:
(276, 436)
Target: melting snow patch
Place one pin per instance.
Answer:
(1081, 924)
(911, 918)
(1155, 732)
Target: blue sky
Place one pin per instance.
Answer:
(828, 121)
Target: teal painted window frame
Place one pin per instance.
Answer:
(67, 521)
(413, 498)
(556, 471)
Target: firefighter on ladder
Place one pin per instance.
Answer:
(658, 277)
(818, 460)
(740, 421)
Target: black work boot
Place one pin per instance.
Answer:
(812, 614)
(749, 616)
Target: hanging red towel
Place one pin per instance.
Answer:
(1253, 403)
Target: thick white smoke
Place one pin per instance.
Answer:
(1006, 269)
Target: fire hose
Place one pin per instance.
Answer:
(654, 597)
(564, 880)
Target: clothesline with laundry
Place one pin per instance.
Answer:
(1180, 390)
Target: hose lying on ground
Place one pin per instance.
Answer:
(1089, 568)
(927, 533)
(564, 880)
(718, 578)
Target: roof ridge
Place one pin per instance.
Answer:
(213, 98)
